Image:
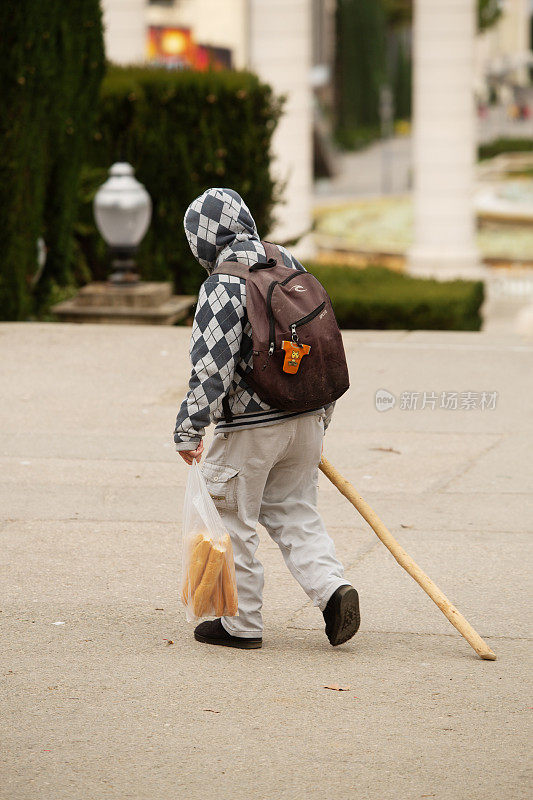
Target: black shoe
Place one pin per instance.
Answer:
(342, 615)
(212, 632)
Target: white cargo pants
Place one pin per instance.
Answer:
(270, 475)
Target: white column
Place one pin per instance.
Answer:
(444, 140)
(280, 53)
(125, 30)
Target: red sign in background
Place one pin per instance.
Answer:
(175, 47)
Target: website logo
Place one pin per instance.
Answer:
(384, 400)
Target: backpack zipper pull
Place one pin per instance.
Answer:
(271, 349)
(294, 335)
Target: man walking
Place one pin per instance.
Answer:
(263, 463)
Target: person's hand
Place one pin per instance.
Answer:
(189, 455)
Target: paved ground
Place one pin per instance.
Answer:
(98, 704)
(385, 167)
(380, 168)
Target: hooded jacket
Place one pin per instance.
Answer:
(219, 227)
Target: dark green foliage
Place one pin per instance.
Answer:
(498, 146)
(182, 132)
(378, 298)
(52, 63)
(373, 51)
(398, 12)
(488, 12)
(357, 137)
(402, 81)
(373, 48)
(361, 63)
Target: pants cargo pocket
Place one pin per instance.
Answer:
(221, 482)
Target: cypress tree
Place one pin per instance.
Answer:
(50, 70)
(361, 62)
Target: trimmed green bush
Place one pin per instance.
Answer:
(357, 137)
(182, 132)
(499, 146)
(378, 298)
(52, 64)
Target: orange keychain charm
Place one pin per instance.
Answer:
(294, 353)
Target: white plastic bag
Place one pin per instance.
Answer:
(208, 585)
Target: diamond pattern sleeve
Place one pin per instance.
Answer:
(215, 351)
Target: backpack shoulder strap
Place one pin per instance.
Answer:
(272, 251)
(232, 268)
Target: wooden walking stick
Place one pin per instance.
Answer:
(405, 561)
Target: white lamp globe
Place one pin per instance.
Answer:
(122, 208)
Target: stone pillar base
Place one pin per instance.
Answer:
(149, 303)
(428, 263)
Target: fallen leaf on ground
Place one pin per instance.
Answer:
(160, 609)
(337, 688)
(169, 641)
(212, 710)
(386, 450)
(405, 526)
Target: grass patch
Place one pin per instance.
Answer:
(377, 298)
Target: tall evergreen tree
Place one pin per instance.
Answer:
(51, 65)
(361, 62)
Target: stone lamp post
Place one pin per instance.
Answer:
(122, 211)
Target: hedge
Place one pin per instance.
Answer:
(499, 146)
(52, 63)
(182, 132)
(378, 298)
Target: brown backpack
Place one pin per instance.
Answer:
(289, 311)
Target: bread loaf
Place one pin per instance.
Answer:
(229, 584)
(213, 567)
(218, 598)
(199, 551)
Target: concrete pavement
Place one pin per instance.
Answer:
(99, 704)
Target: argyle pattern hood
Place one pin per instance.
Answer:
(219, 227)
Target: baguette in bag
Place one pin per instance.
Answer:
(209, 587)
(200, 547)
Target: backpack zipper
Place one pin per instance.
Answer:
(271, 321)
(290, 278)
(308, 317)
